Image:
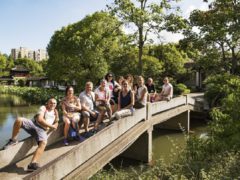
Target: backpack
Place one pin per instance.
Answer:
(72, 132)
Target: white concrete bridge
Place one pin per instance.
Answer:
(130, 137)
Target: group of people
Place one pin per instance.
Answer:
(110, 99)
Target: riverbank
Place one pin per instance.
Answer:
(32, 95)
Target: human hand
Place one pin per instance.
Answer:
(93, 113)
(54, 126)
(69, 115)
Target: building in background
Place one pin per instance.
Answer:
(24, 52)
(41, 54)
(31, 54)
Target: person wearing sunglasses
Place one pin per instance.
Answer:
(112, 86)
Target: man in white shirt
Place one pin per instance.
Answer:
(89, 113)
(39, 126)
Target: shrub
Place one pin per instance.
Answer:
(181, 89)
(32, 94)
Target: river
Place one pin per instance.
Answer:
(10, 107)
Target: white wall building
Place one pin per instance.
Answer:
(23, 52)
(40, 54)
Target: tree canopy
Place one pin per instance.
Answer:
(219, 31)
(83, 50)
(148, 17)
(34, 67)
(3, 62)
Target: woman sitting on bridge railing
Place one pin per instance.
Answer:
(71, 113)
(112, 86)
(125, 102)
(102, 102)
(141, 94)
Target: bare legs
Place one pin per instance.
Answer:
(39, 151)
(66, 127)
(16, 128)
(99, 119)
(41, 146)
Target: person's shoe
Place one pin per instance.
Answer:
(110, 122)
(112, 118)
(117, 116)
(32, 167)
(10, 143)
(80, 138)
(87, 134)
(94, 131)
(65, 142)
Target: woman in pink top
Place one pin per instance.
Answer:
(102, 96)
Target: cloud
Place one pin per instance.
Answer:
(189, 10)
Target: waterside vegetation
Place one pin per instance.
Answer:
(33, 95)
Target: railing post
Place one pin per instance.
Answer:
(188, 121)
(149, 111)
(186, 99)
(149, 131)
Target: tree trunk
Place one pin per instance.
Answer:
(140, 51)
(234, 61)
(224, 57)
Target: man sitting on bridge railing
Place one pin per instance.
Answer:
(151, 89)
(89, 111)
(45, 119)
(167, 91)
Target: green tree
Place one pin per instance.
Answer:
(147, 17)
(83, 50)
(34, 67)
(127, 61)
(219, 29)
(172, 59)
(152, 67)
(10, 63)
(3, 63)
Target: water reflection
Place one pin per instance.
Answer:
(11, 100)
(10, 107)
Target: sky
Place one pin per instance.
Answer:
(31, 23)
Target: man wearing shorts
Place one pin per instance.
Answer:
(87, 99)
(38, 127)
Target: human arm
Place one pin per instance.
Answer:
(64, 108)
(78, 105)
(162, 91)
(143, 94)
(56, 120)
(42, 121)
(119, 101)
